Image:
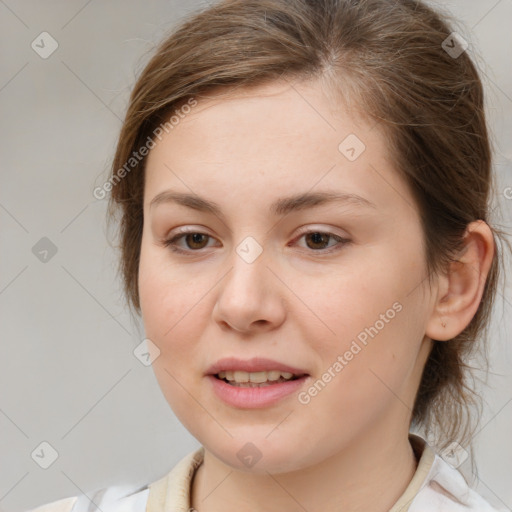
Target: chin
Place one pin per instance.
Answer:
(258, 455)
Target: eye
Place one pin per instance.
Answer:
(319, 240)
(194, 241)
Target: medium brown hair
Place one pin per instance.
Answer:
(387, 59)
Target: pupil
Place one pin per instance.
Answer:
(319, 238)
(195, 238)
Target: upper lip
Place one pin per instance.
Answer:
(256, 364)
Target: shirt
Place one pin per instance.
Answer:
(435, 487)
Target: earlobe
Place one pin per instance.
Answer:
(460, 290)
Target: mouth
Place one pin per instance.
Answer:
(254, 383)
(243, 379)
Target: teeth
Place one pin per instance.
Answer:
(275, 374)
(241, 377)
(257, 377)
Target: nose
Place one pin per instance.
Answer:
(250, 297)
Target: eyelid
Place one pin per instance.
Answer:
(311, 228)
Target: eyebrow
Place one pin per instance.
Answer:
(281, 206)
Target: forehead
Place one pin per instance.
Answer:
(280, 135)
(289, 109)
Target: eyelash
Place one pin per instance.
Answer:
(171, 242)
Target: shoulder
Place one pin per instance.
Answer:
(437, 486)
(445, 490)
(170, 490)
(63, 505)
(106, 499)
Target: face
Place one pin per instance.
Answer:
(275, 243)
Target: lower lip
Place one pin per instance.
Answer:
(254, 398)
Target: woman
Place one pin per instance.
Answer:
(303, 188)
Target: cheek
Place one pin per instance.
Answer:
(370, 379)
(176, 311)
(379, 352)
(166, 302)
(170, 311)
(165, 294)
(349, 301)
(377, 321)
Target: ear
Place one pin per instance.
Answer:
(460, 289)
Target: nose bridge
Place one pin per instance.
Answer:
(247, 277)
(249, 250)
(246, 296)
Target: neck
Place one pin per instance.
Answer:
(370, 475)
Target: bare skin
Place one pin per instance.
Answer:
(299, 302)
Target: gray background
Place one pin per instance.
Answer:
(68, 375)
